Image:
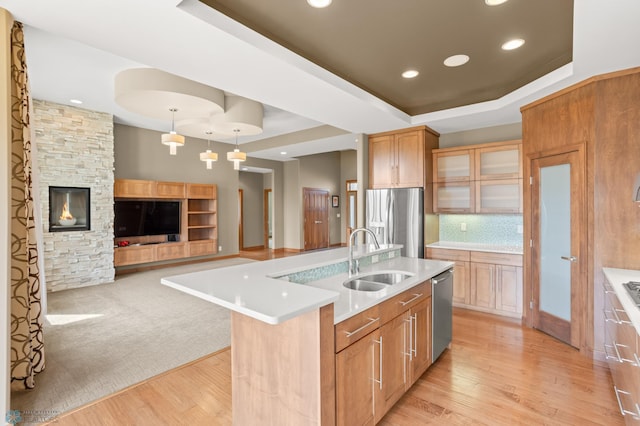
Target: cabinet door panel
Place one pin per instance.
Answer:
(421, 340)
(355, 380)
(499, 196)
(394, 367)
(509, 289)
(382, 162)
(453, 166)
(410, 159)
(499, 162)
(483, 285)
(453, 197)
(461, 283)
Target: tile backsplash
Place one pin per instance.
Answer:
(485, 228)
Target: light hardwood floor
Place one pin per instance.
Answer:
(496, 373)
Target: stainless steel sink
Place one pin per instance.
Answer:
(376, 281)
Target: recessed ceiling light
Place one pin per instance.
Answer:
(410, 74)
(513, 44)
(494, 2)
(283, 152)
(456, 60)
(75, 101)
(319, 3)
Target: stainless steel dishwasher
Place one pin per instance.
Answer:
(441, 295)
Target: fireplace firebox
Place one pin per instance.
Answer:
(69, 209)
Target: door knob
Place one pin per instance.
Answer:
(569, 258)
(318, 221)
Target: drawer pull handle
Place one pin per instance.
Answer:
(371, 321)
(415, 296)
(636, 414)
(380, 363)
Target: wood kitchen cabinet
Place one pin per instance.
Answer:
(485, 281)
(354, 375)
(380, 353)
(402, 158)
(485, 178)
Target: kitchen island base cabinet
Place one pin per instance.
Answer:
(373, 372)
(284, 371)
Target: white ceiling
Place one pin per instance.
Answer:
(75, 47)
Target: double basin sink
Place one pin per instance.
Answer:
(376, 281)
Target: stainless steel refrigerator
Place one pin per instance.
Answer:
(396, 216)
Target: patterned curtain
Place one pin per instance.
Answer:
(27, 348)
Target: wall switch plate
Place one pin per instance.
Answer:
(374, 258)
(520, 229)
(338, 215)
(219, 248)
(392, 254)
(463, 227)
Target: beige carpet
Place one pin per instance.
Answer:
(103, 338)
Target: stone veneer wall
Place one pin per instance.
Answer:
(75, 148)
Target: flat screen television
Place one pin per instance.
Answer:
(146, 217)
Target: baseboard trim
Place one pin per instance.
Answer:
(168, 265)
(253, 248)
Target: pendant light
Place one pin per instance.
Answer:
(208, 156)
(236, 155)
(172, 139)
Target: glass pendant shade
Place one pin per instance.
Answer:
(237, 157)
(209, 157)
(174, 140)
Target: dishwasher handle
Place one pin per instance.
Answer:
(442, 277)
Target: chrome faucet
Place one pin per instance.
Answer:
(354, 265)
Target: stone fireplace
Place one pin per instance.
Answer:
(69, 209)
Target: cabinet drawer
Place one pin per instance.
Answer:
(496, 258)
(448, 254)
(170, 190)
(200, 248)
(132, 255)
(404, 301)
(356, 327)
(171, 251)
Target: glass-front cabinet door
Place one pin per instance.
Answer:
(456, 197)
(452, 166)
(499, 196)
(499, 162)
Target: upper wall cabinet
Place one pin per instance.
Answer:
(483, 178)
(453, 165)
(401, 159)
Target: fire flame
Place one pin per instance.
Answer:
(66, 214)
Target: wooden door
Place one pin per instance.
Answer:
(240, 219)
(558, 245)
(355, 380)
(352, 206)
(483, 278)
(393, 335)
(410, 159)
(316, 218)
(382, 162)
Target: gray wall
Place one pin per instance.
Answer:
(292, 205)
(253, 209)
(140, 155)
(483, 135)
(348, 171)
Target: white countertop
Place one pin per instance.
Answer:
(616, 278)
(492, 248)
(249, 290)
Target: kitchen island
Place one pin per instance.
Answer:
(283, 339)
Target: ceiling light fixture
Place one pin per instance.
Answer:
(236, 155)
(283, 152)
(494, 2)
(75, 101)
(319, 4)
(410, 74)
(172, 139)
(513, 44)
(208, 156)
(456, 60)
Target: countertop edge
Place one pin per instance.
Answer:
(489, 248)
